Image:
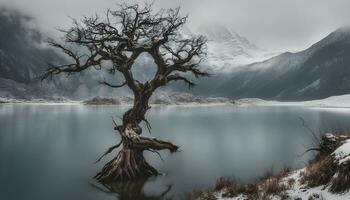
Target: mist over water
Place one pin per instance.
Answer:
(48, 151)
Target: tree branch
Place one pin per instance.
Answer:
(110, 149)
(176, 77)
(110, 85)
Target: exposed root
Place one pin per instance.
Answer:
(145, 143)
(127, 165)
(109, 151)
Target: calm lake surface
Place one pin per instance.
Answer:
(48, 151)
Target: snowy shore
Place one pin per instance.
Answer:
(326, 177)
(342, 101)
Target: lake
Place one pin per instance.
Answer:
(48, 151)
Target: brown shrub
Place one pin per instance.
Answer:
(341, 180)
(273, 186)
(222, 183)
(281, 174)
(291, 182)
(232, 188)
(202, 195)
(319, 172)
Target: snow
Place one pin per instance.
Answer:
(299, 191)
(227, 50)
(342, 154)
(310, 86)
(38, 101)
(341, 101)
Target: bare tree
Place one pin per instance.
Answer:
(117, 40)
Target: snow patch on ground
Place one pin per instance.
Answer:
(53, 101)
(298, 191)
(342, 101)
(310, 86)
(342, 154)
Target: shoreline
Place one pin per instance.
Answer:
(323, 177)
(341, 102)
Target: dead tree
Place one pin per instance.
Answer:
(113, 43)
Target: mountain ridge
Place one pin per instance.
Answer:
(290, 76)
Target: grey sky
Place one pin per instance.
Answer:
(277, 25)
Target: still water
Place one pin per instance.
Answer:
(48, 151)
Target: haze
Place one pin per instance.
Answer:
(288, 25)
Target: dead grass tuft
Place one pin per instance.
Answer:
(273, 186)
(323, 170)
(319, 172)
(202, 195)
(341, 180)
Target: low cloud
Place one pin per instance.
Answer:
(271, 24)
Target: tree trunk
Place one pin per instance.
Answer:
(130, 164)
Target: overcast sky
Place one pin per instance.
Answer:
(278, 25)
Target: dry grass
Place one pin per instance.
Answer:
(222, 183)
(291, 182)
(232, 188)
(273, 186)
(269, 184)
(341, 181)
(319, 172)
(203, 195)
(281, 174)
(342, 132)
(323, 170)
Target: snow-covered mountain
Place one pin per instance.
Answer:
(320, 71)
(226, 49)
(23, 56)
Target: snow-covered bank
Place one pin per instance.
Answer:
(53, 101)
(342, 101)
(186, 99)
(327, 176)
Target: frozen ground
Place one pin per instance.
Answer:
(342, 101)
(296, 190)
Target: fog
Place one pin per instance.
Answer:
(287, 25)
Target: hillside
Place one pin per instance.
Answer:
(320, 71)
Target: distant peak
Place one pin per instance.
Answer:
(220, 33)
(215, 31)
(340, 34)
(343, 29)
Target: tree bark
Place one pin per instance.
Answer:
(130, 164)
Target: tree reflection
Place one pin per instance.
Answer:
(131, 190)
